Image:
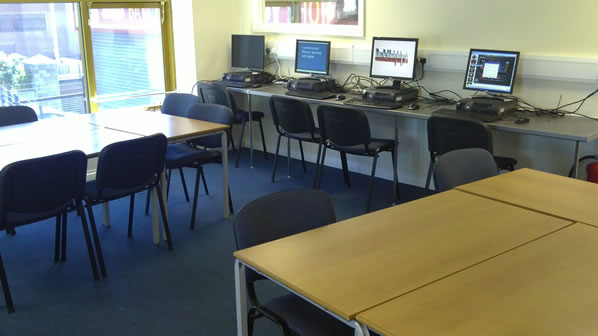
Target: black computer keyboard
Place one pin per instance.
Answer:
(310, 94)
(380, 104)
(233, 84)
(483, 117)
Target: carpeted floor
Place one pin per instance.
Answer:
(150, 290)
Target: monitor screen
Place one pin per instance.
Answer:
(491, 70)
(312, 57)
(247, 51)
(393, 57)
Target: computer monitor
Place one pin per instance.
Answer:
(312, 57)
(394, 58)
(491, 70)
(247, 51)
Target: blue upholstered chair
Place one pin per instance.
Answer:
(273, 217)
(12, 115)
(41, 188)
(463, 166)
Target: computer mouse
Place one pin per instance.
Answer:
(413, 106)
(522, 120)
(340, 97)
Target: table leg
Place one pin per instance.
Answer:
(224, 149)
(361, 330)
(396, 163)
(576, 159)
(241, 298)
(250, 129)
(106, 214)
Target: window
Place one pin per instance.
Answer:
(78, 57)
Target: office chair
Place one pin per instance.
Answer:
(446, 134)
(125, 168)
(182, 155)
(12, 115)
(348, 131)
(463, 166)
(273, 217)
(214, 94)
(41, 188)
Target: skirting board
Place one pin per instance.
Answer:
(570, 69)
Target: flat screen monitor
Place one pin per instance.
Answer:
(312, 57)
(247, 51)
(394, 58)
(491, 70)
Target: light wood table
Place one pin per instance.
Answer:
(555, 195)
(46, 130)
(176, 129)
(354, 265)
(547, 287)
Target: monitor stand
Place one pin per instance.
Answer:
(396, 86)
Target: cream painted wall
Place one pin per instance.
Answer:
(547, 28)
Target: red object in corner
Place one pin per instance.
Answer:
(592, 170)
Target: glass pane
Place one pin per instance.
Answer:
(40, 58)
(127, 55)
(342, 12)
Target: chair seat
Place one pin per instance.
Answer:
(243, 115)
(183, 155)
(303, 318)
(305, 136)
(375, 144)
(505, 163)
(108, 194)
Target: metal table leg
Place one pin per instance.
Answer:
(241, 298)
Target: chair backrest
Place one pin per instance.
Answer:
(215, 94)
(344, 126)
(292, 115)
(463, 166)
(280, 215)
(447, 134)
(213, 113)
(177, 104)
(12, 115)
(45, 186)
(132, 164)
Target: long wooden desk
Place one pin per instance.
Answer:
(546, 287)
(559, 196)
(351, 266)
(568, 128)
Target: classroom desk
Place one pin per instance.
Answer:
(176, 129)
(546, 287)
(354, 265)
(555, 195)
(568, 128)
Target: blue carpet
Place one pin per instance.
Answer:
(150, 290)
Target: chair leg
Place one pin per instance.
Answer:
(196, 191)
(131, 207)
(64, 236)
(288, 157)
(168, 181)
(164, 218)
(94, 233)
(205, 184)
(276, 157)
(7, 298)
(147, 202)
(302, 156)
(57, 240)
(321, 170)
(345, 169)
(184, 184)
(394, 169)
(263, 139)
(92, 259)
(371, 188)
(429, 177)
(232, 141)
(317, 169)
(230, 202)
(240, 144)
